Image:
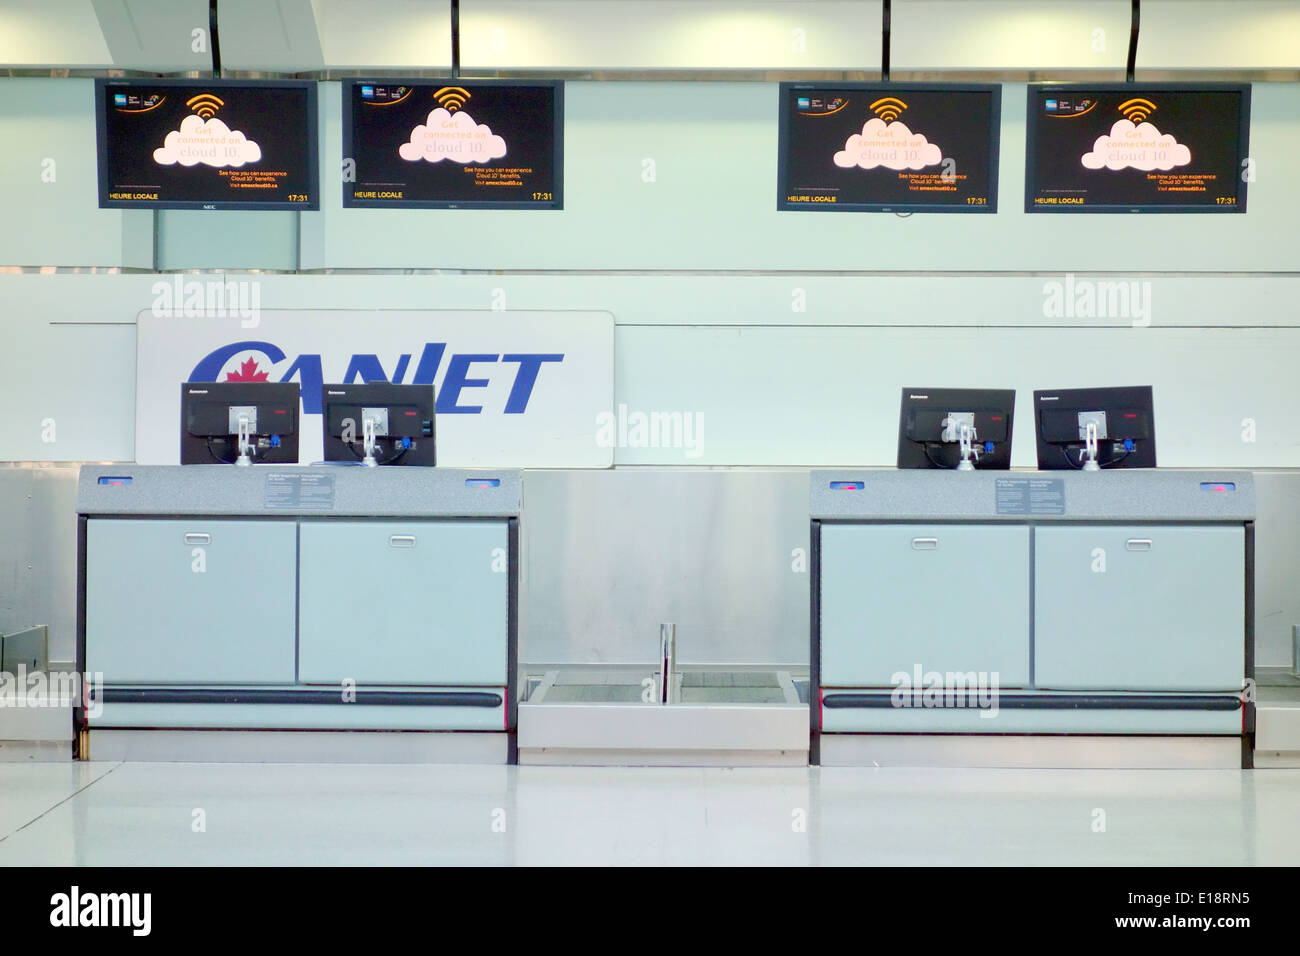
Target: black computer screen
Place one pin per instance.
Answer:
(930, 419)
(453, 144)
(207, 144)
(1124, 420)
(888, 147)
(401, 415)
(209, 411)
(1137, 148)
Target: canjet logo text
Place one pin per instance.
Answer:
(461, 380)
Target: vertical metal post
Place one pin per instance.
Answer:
(1134, 22)
(455, 39)
(214, 39)
(884, 39)
(667, 663)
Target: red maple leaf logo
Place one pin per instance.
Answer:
(248, 372)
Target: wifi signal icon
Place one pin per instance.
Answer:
(205, 104)
(1136, 110)
(889, 108)
(452, 98)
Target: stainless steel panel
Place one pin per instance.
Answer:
(609, 555)
(1277, 564)
(38, 552)
(1072, 752)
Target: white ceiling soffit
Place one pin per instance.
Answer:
(51, 33)
(1219, 34)
(1009, 34)
(384, 34)
(157, 36)
(669, 34)
(276, 36)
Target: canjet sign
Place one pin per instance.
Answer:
(514, 389)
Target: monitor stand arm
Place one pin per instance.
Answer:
(1090, 447)
(969, 453)
(245, 438)
(368, 440)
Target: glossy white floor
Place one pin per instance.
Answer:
(141, 813)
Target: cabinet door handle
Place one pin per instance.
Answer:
(924, 544)
(195, 537)
(1138, 544)
(402, 540)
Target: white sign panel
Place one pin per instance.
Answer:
(514, 389)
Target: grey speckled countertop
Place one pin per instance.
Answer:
(1124, 495)
(349, 490)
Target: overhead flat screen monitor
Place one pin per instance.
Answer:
(379, 424)
(454, 144)
(207, 144)
(886, 147)
(1149, 147)
(942, 427)
(229, 423)
(1118, 422)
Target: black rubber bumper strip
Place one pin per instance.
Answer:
(885, 700)
(268, 695)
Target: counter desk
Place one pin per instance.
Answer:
(1032, 618)
(276, 600)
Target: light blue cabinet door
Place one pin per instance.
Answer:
(938, 597)
(190, 600)
(1139, 608)
(413, 602)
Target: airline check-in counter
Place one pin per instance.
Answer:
(226, 610)
(1006, 618)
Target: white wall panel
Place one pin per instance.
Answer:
(389, 34)
(156, 35)
(1219, 35)
(1009, 34)
(51, 33)
(670, 34)
(49, 192)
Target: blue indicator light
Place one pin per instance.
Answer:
(114, 479)
(1219, 487)
(846, 486)
(482, 482)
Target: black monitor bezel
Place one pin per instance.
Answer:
(377, 393)
(995, 142)
(290, 394)
(1051, 456)
(556, 203)
(978, 399)
(1032, 120)
(101, 151)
